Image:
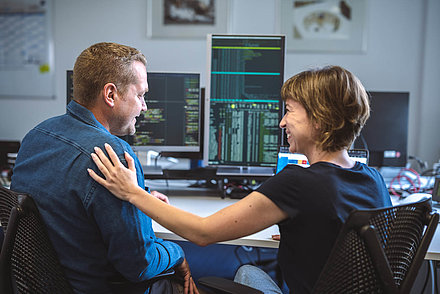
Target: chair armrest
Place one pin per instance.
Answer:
(120, 285)
(226, 286)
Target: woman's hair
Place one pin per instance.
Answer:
(104, 63)
(335, 100)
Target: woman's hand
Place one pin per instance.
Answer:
(160, 196)
(119, 180)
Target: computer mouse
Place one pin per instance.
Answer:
(415, 197)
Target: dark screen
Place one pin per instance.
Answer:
(385, 134)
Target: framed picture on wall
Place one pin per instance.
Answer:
(324, 26)
(187, 18)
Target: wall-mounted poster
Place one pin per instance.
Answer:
(324, 25)
(187, 18)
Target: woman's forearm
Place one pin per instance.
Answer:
(247, 216)
(185, 224)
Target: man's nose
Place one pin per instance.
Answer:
(144, 105)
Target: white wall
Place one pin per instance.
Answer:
(402, 55)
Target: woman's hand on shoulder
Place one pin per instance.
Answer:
(118, 179)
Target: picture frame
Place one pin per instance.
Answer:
(337, 26)
(167, 19)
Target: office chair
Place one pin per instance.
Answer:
(28, 262)
(379, 250)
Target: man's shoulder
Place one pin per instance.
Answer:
(67, 130)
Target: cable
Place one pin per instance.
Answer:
(422, 164)
(364, 142)
(402, 175)
(156, 158)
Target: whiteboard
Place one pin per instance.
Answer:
(26, 53)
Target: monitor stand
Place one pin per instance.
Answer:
(245, 171)
(152, 170)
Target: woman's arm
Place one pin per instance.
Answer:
(247, 216)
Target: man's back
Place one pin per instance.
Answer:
(95, 235)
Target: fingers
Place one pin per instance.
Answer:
(130, 161)
(99, 164)
(102, 158)
(112, 154)
(106, 165)
(192, 286)
(189, 286)
(276, 237)
(196, 291)
(186, 285)
(160, 196)
(96, 177)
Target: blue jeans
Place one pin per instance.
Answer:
(254, 277)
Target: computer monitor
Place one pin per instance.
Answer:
(385, 134)
(172, 123)
(8, 153)
(243, 107)
(69, 86)
(286, 158)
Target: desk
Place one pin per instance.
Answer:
(434, 248)
(204, 206)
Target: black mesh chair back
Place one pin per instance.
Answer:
(28, 262)
(8, 200)
(379, 250)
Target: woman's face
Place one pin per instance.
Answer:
(299, 129)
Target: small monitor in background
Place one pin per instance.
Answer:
(385, 134)
(8, 153)
(69, 86)
(436, 191)
(360, 155)
(285, 157)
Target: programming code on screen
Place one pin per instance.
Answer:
(245, 108)
(172, 118)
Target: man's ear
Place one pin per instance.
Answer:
(110, 93)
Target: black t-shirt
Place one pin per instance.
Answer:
(318, 199)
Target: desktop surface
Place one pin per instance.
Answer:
(205, 206)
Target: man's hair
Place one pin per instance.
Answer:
(335, 100)
(104, 63)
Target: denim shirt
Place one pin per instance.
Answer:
(96, 235)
